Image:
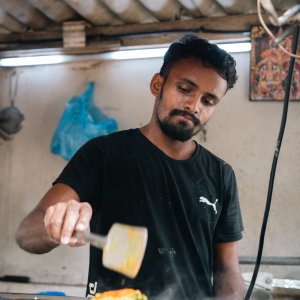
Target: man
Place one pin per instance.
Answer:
(158, 177)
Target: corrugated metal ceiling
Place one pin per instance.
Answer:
(28, 24)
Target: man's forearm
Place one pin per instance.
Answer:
(31, 234)
(229, 286)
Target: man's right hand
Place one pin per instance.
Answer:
(65, 220)
(54, 221)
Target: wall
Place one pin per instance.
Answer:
(242, 132)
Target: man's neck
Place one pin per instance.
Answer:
(174, 149)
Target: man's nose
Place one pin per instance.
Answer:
(193, 105)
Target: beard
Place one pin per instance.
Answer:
(180, 131)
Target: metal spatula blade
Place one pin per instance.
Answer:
(123, 248)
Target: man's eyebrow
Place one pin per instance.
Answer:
(188, 81)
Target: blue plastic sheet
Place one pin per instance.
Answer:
(80, 121)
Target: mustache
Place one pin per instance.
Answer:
(185, 113)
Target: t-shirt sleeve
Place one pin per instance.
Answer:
(82, 172)
(230, 225)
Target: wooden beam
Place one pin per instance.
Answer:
(216, 28)
(212, 24)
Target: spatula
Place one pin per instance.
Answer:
(123, 247)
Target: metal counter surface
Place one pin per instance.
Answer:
(16, 296)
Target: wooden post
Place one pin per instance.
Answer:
(74, 34)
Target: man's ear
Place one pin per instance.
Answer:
(156, 84)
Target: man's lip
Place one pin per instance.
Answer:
(186, 117)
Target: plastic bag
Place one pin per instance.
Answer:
(80, 121)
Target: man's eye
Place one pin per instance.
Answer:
(208, 101)
(182, 89)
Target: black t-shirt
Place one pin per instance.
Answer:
(187, 205)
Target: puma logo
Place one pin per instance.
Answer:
(214, 205)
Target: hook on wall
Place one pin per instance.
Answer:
(11, 117)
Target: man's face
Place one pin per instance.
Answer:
(187, 98)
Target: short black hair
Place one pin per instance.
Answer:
(211, 56)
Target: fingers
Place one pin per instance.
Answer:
(85, 216)
(70, 221)
(78, 216)
(62, 220)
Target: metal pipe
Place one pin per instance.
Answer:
(271, 260)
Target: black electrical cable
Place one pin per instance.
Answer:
(274, 164)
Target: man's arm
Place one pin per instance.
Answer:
(227, 280)
(54, 221)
